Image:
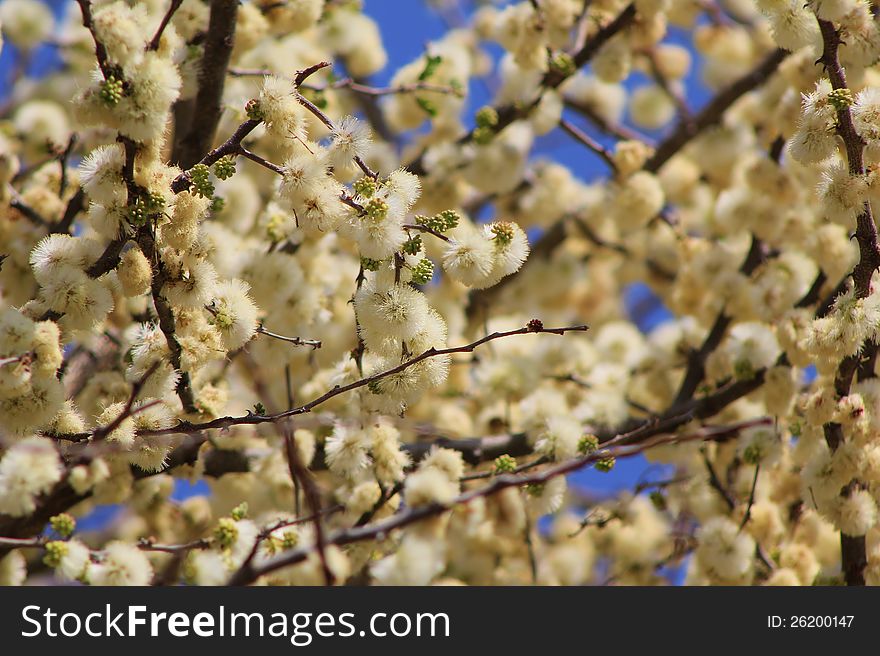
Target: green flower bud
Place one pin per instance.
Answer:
(503, 233)
(563, 63)
(535, 489)
(240, 511)
(841, 98)
(505, 464)
(365, 186)
(427, 106)
(483, 135)
(605, 464)
(63, 524)
(226, 532)
(423, 271)
(658, 500)
(253, 110)
(224, 168)
(413, 245)
(55, 551)
(752, 454)
(487, 117)
(587, 444)
(200, 181)
(112, 90)
(376, 209)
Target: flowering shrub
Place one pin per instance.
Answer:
(228, 257)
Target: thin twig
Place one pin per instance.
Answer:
(296, 341)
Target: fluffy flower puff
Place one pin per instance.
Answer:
(389, 460)
(206, 567)
(13, 566)
(393, 393)
(86, 302)
(845, 329)
(751, 347)
(724, 551)
(149, 346)
(34, 408)
(404, 187)
(416, 562)
(547, 498)
(192, 285)
(296, 16)
(856, 513)
(636, 200)
(469, 257)
(377, 238)
(814, 141)
(350, 138)
(134, 272)
(150, 453)
(121, 28)
(283, 116)
(761, 444)
(54, 255)
(155, 84)
(793, 26)
(831, 10)
(869, 390)
(124, 434)
(448, 461)
(398, 311)
(183, 229)
(560, 438)
(235, 314)
(122, 564)
(346, 451)
(427, 486)
(304, 174)
(511, 247)
(842, 194)
(321, 209)
(74, 563)
(866, 115)
(26, 23)
(29, 468)
(101, 174)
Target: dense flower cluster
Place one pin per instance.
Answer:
(231, 259)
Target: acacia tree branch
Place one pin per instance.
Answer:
(212, 76)
(75, 205)
(229, 147)
(29, 213)
(100, 51)
(534, 327)
(356, 87)
(157, 37)
(593, 145)
(296, 341)
(233, 145)
(852, 548)
(617, 130)
(300, 475)
(412, 515)
(713, 112)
